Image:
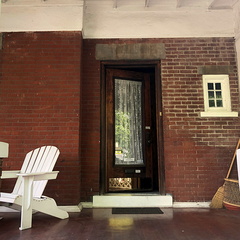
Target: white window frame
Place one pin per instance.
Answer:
(225, 110)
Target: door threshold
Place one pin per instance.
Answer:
(132, 200)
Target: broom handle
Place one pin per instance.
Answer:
(234, 156)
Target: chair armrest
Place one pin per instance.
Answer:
(40, 175)
(9, 174)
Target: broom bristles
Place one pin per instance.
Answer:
(217, 200)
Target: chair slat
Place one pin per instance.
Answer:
(38, 159)
(42, 159)
(49, 158)
(31, 161)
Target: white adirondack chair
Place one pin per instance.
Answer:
(31, 181)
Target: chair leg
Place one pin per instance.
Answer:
(26, 212)
(48, 206)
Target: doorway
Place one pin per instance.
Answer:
(131, 136)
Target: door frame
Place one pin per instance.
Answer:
(159, 119)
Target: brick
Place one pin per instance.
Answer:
(42, 83)
(41, 76)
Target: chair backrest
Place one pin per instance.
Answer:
(42, 159)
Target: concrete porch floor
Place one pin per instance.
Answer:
(101, 224)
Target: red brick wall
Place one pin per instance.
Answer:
(197, 150)
(40, 104)
(90, 131)
(40, 101)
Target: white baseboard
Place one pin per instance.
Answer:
(87, 204)
(174, 205)
(72, 208)
(191, 204)
(82, 205)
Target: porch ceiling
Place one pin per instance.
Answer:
(163, 4)
(123, 18)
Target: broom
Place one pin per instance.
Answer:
(217, 200)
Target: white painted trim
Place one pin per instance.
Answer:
(219, 114)
(87, 204)
(224, 111)
(223, 79)
(191, 204)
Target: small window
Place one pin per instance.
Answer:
(217, 100)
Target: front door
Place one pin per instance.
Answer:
(131, 148)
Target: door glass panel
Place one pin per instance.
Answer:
(128, 122)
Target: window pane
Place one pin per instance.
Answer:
(218, 86)
(210, 94)
(210, 86)
(211, 103)
(219, 103)
(215, 95)
(218, 94)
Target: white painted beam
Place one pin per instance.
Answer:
(214, 4)
(147, 3)
(222, 4)
(41, 2)
(179, 3)
(39, 15)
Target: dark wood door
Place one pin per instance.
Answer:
(131, 160)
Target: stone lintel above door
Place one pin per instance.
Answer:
(128, 51)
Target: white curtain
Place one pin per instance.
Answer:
(128, 122)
